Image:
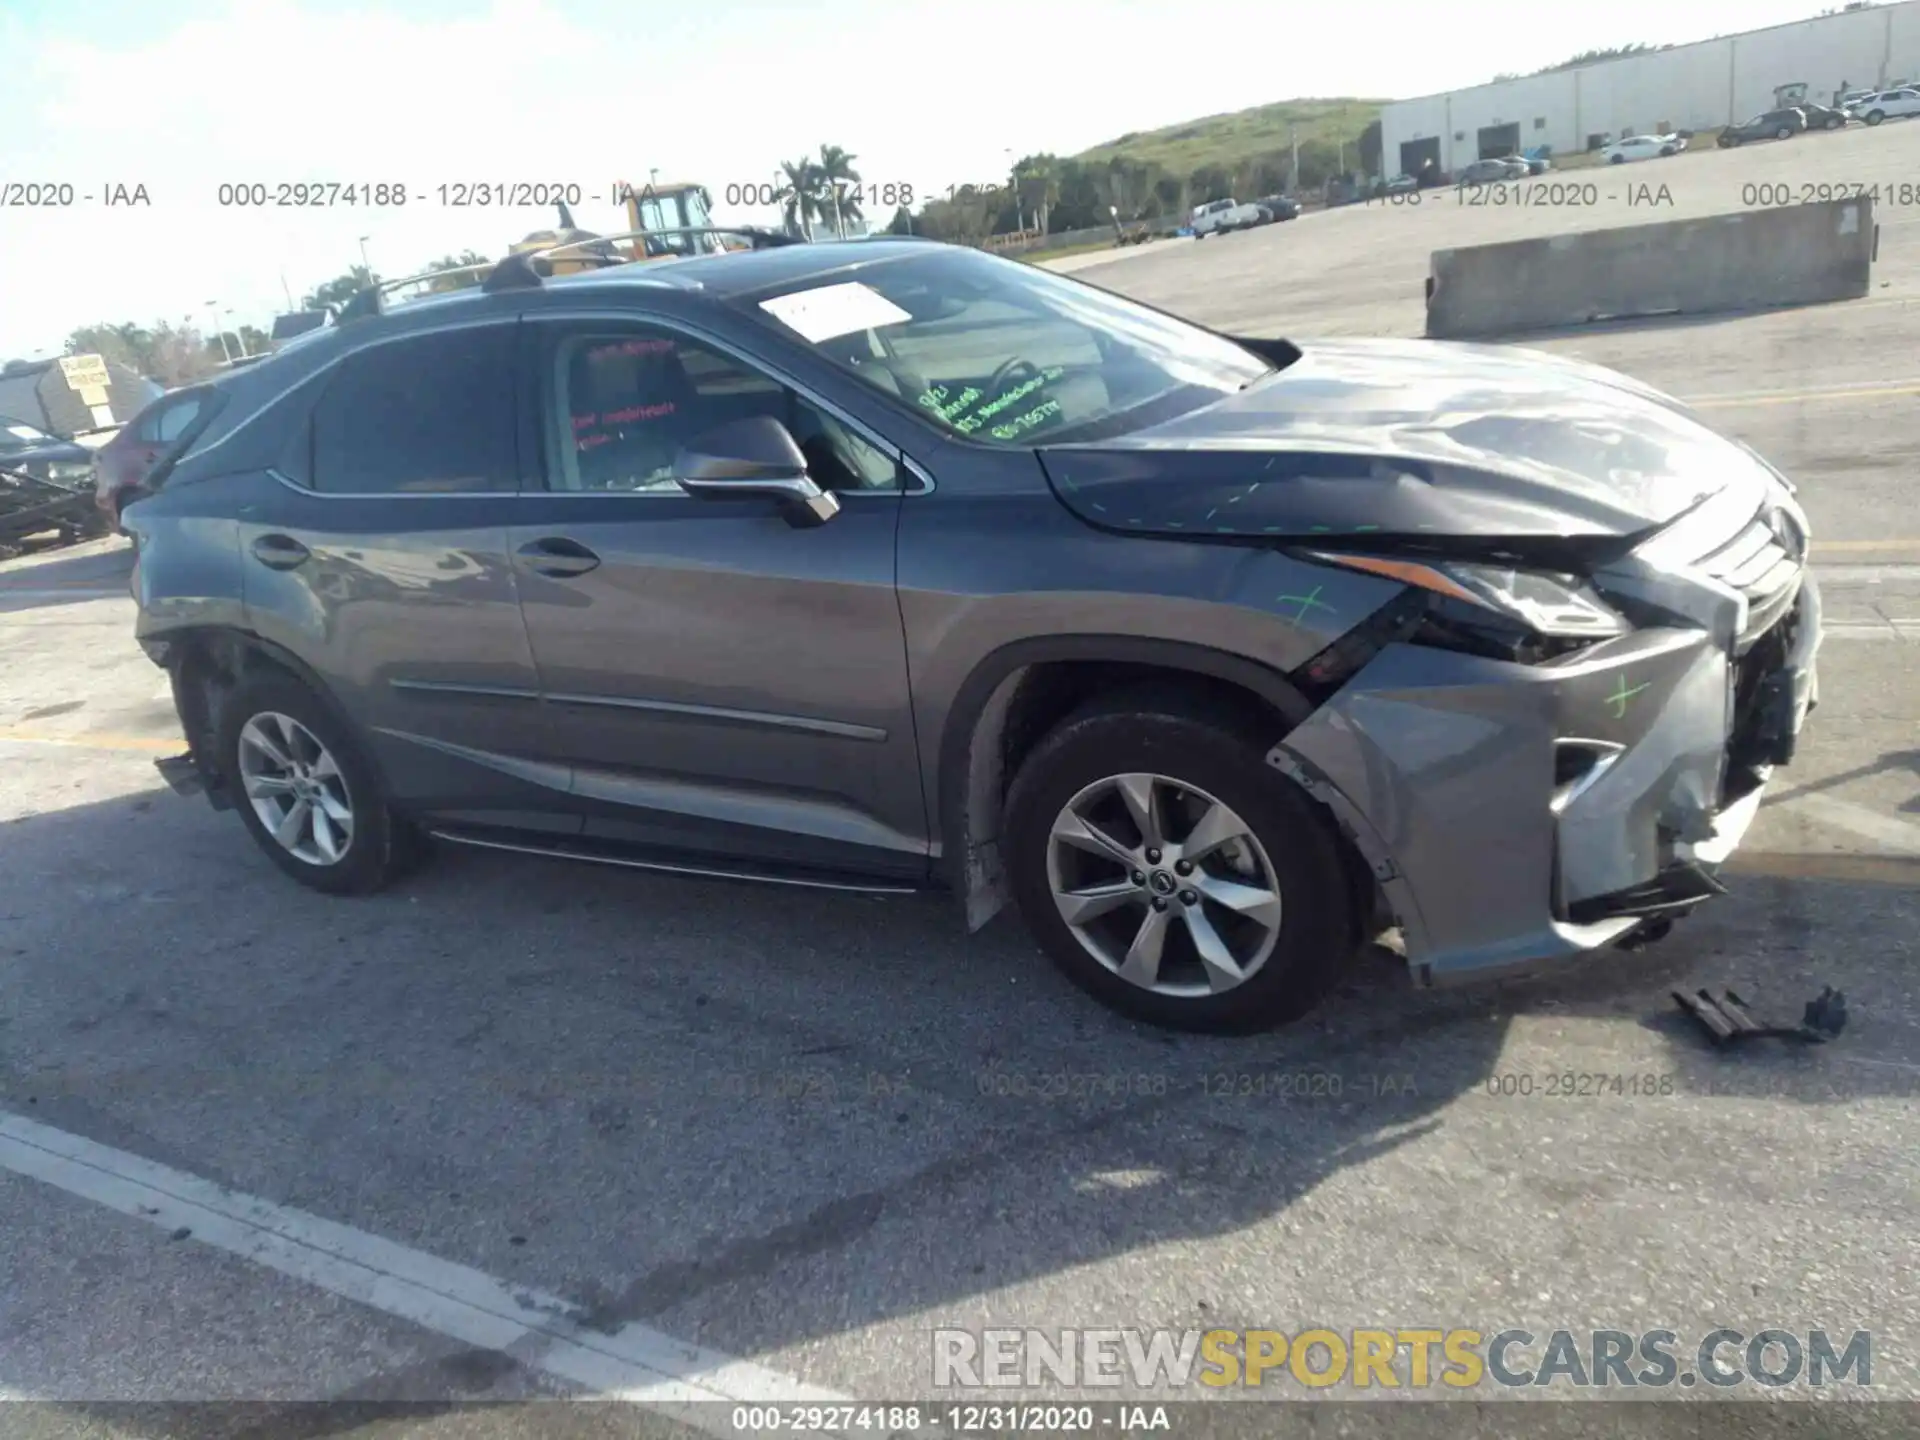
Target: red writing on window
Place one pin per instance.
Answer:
(637, 412)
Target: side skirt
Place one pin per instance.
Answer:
(636, 858)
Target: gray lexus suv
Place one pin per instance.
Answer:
(886, 565)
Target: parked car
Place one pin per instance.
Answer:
(1217, 217)
(1889, 105)
(920, 567)
(1643, 147)
(29, 450)
(1538, 164)
(1770, 125)
(128, 463)
(1280, 207)
(1401, 184)
(1487, 172)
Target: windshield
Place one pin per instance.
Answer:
(1006, 354)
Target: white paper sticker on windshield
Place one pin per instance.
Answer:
(834, 310)
(23, 432)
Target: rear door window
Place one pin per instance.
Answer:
(430, 414)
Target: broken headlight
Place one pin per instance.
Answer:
(1500, 611)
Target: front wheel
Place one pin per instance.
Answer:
(1785, 132)
(1874, 117)
(1616, 159)
(1837, 122)
(1172, 874)
(306, 792)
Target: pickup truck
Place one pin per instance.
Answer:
(1220, 216)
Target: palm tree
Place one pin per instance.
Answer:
(836, 173)
(801, 195)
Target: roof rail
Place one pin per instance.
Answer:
(372, 300)
(520, 272)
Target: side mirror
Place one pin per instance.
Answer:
(756, 457)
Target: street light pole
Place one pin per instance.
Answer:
(239, 337)
(365, 263)
(224, 350)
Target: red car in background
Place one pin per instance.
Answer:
(134, 460)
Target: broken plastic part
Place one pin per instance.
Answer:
(1727, 1020)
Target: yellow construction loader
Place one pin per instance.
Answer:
(663, 221)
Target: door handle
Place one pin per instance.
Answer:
(557, 556)
(280, 552)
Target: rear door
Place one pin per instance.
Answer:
(378, 557)
(722, 683)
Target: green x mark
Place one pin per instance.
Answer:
(1305, 602)
(1621, 694)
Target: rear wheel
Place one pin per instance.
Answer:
(1172, 874)
(305, 790)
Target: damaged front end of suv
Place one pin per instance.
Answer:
(1596, 635)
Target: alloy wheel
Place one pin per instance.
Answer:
(1164, 885)
(296, 788)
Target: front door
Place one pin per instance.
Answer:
(722, 683)
(378, 557)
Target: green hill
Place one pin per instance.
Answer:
(1244, 136)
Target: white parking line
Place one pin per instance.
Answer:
(1900, 836)
(633, 1363)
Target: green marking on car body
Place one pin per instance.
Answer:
(1309, 601)
(1621, 694)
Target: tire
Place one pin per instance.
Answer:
(1296, 854)
(1616, 159)
(1785, 132)
(379, 846)
(1837, 122)
(1874, 117)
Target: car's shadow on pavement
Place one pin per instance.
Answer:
(671, 1100)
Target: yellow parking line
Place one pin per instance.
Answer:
(1797, 397)
(139, 744)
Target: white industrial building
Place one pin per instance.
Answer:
(1687, 87)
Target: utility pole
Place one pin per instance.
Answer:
(1293, 181)
(225, 351)
(288, 289)
(239, 337)
(365, 263)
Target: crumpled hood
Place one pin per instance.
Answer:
(1406, 437)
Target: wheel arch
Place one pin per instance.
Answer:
(207, 662)
(1018, 692)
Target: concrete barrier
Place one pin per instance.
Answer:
(1750, 260)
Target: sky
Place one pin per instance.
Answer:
(182, 97)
